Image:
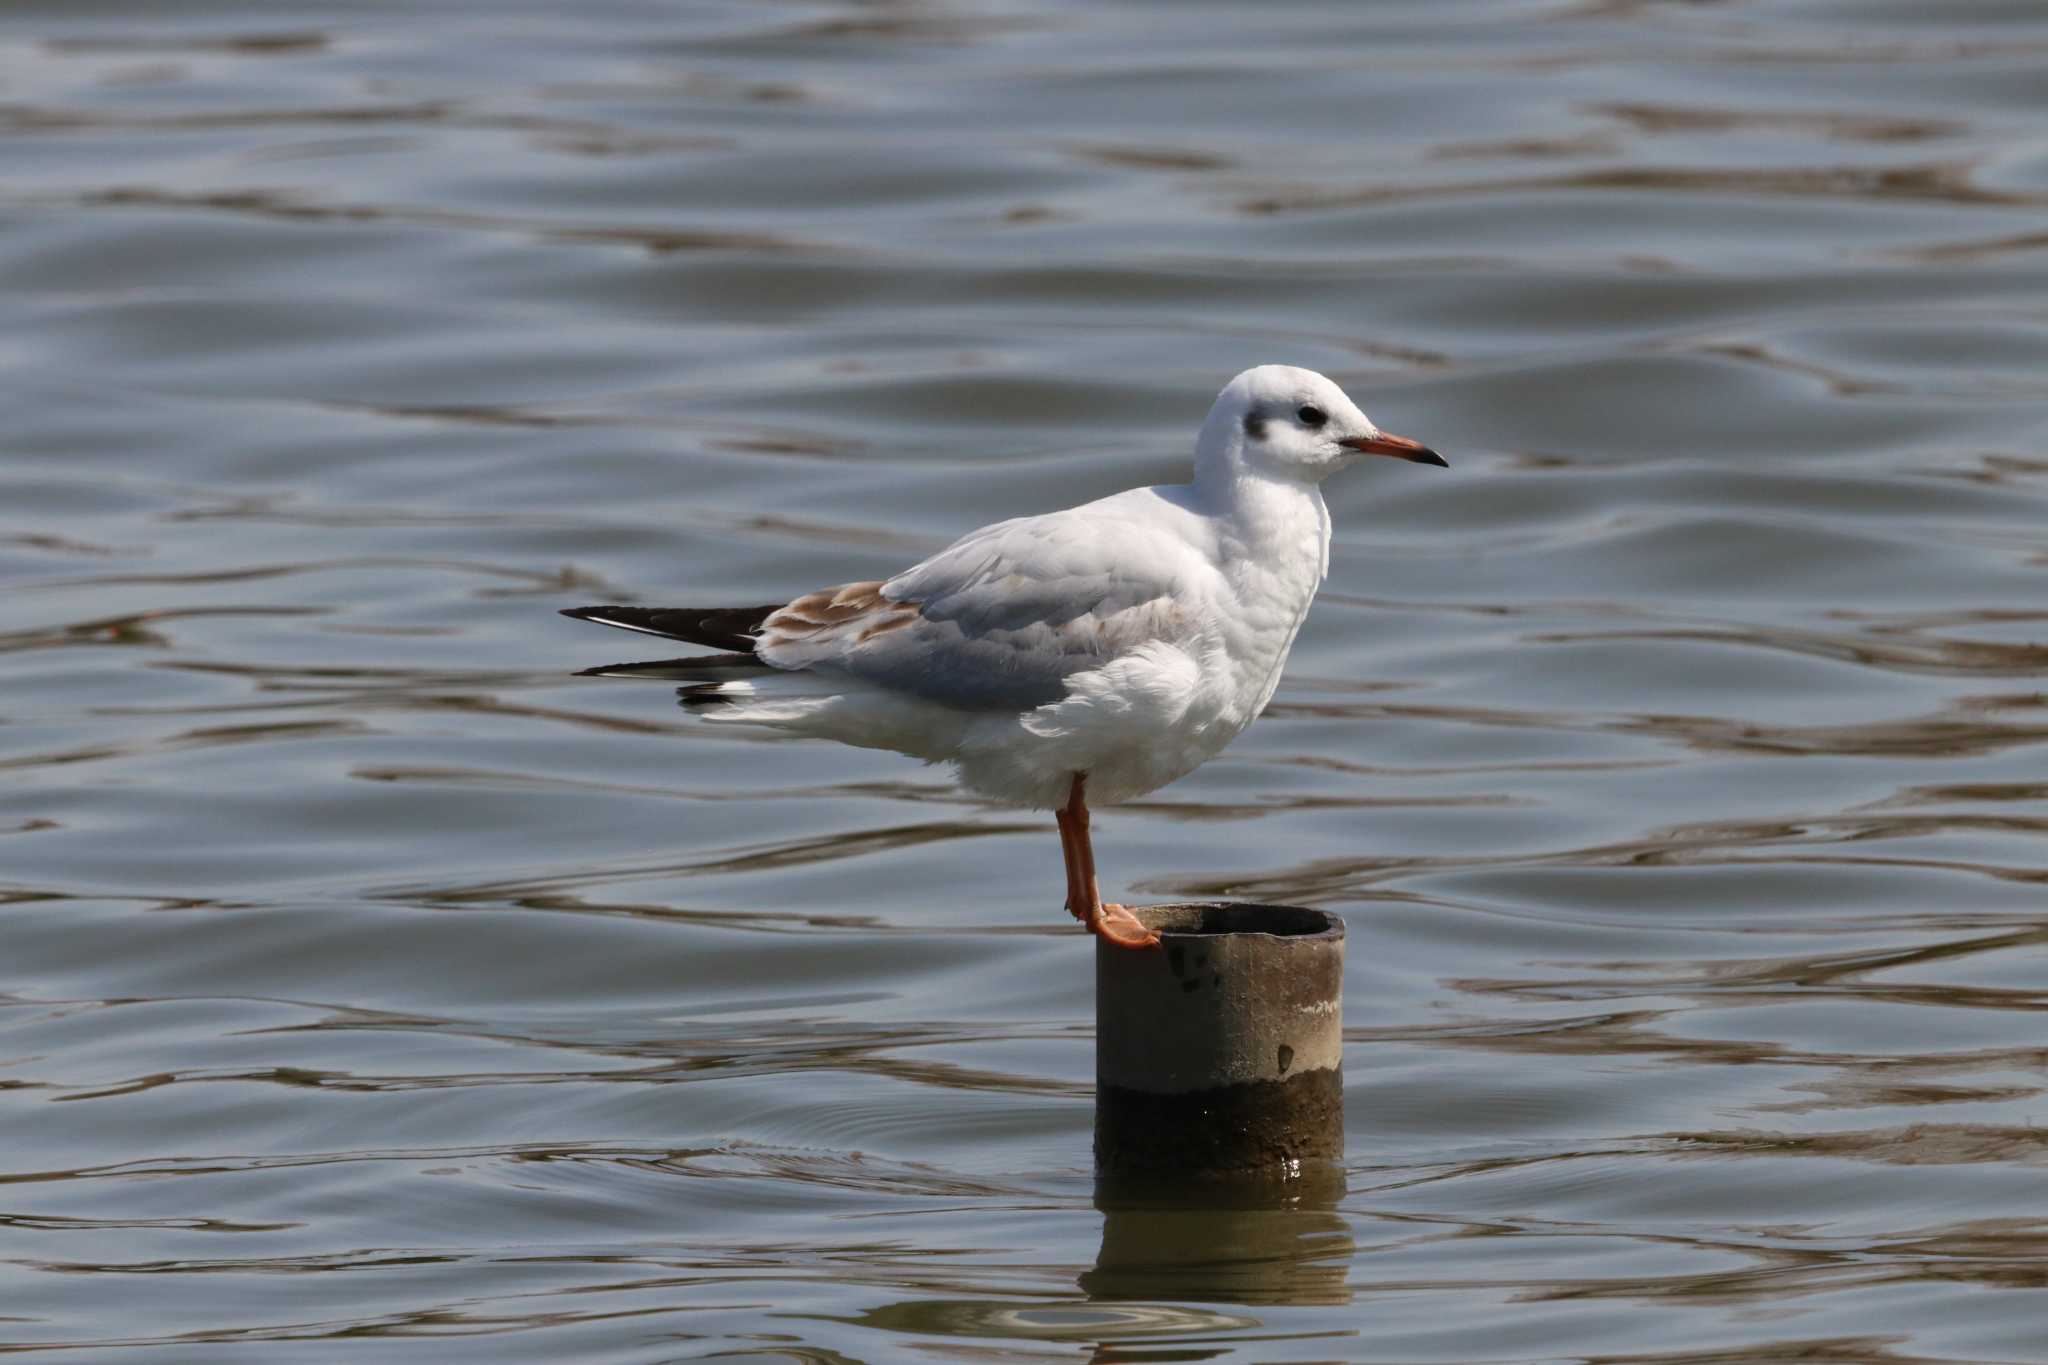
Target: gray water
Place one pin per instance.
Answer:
(373, 989)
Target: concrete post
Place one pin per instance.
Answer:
(1219, 1054)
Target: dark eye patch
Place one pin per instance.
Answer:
(1255, 426)
(1311, 415)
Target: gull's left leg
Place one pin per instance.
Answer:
(1077, 895)
(1111, 922)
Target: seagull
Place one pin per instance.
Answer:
(1107, 649)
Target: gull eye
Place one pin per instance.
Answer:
(1312, 416)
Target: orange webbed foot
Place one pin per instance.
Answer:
(1119, 926)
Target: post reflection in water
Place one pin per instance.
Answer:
(1262, 1243)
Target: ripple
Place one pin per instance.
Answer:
(1930, 182)
(290, 206)
(753, 858)
(1840, 127)
(1048, 1321)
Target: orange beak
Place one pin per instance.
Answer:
(1400, 447)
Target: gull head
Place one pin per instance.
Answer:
(1278, 421)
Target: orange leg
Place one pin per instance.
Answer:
(1112, 923)
(1077, 898)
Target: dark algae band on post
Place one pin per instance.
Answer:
(1268, 1129)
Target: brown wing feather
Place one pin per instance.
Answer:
(827, 617)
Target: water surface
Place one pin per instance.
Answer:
(371, 988)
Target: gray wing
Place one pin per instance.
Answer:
(1002, 618)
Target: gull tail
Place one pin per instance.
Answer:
(738, 687)
(708, 679)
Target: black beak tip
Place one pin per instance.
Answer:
(1428, 456)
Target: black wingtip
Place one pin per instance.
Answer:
(732, 628)
(701, 698)
(691, 669)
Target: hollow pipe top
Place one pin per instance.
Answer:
(1203, 919)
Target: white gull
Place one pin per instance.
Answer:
(1107, 649)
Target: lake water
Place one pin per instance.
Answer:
(372, 989)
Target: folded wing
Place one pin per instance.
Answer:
(1001, 619)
